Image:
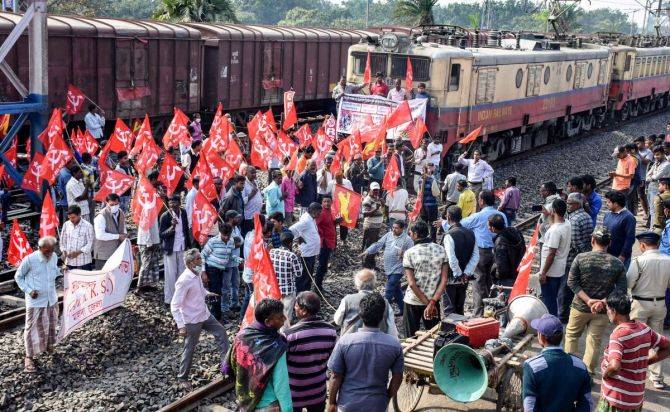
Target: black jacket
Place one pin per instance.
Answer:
(167, 231)
(232, 201)
(508, 250)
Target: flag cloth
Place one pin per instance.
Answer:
(170, 174)
(377, 143)
(203, 217)
(91, 145)
(293, 162)
(59, 155)
(177, 132)
(265, 279)
(260, 153)
(233, 155)
(48, 217)
(146, 204)
(74, 101)
(77, 140)
(12, 156)
(122, 138)
(148, 158)
(143, 137)
(401, 115)
(268, 123)
(4, 124)
(114, 182)
(304, 135)
(367, 73)
(290, 115)
(322, 143)
(219, 167)
(286, 145)
(472, 136)
(19, 247)
(417, 133)
(54, 128)
(33, 176)
(219, 133)
(521, 282)
(409, 76)
(418, 204)
(391, 175)
(347, 205)
(329, 126)
(206, 179)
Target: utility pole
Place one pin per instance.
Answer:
(367, 13)
(632, 21)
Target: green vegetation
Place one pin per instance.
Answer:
(195, 10)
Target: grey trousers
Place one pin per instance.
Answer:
(193, 336)
(481, 287)
(173, 265)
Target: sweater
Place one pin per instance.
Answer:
(622, 227)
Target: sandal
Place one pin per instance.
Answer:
(29, 366)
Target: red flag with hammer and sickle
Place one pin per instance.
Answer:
(122, 138)
(77, 140)
(54, 128)
(33, 176)
(148, 158)
(219, 133)
(265, 279)
(146, 204)
(260, 153)
(418, 204)
(90, 144)
(290, 114)
(233, 155)
(417, 132)
(57, 157)
(203, 217)
(401, 115)
(170, 174)
(143, 137)
(367, 73)
(19, 247)
(115, 182)
(392, 175)
(347, 205)
(74, 100)
(285, 144)
(219, 167)
(177, 132)
(206, 186)
(409, 75)
(330, 127)
(48, 217)
(304, 135)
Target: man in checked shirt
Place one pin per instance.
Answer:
(287, 267)
(77, 240)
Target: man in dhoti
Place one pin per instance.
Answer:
(36, 277)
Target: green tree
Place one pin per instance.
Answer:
(415, 11)
(196, 10)
(124, 9)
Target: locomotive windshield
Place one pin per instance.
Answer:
(379, 62)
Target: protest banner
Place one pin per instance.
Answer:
(87, 294)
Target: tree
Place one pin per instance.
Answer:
(123, 9)
(196, 11)
(415, 11)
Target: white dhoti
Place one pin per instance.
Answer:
(173, 265)
(40, 329)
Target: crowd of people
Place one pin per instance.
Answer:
(462, 238)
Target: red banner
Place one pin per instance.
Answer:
(347, 205)
(132, 93)
(290, 114)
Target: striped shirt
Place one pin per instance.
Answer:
(629, 343)
(217, 253)
(310, 343)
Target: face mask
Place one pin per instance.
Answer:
(114, 209)
(197, 269)
(197, 120)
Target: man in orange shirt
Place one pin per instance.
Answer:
(625, 170)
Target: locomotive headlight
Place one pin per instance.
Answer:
(389, 41)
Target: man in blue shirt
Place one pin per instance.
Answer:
(595, 203)
(479, 223)
(555, 381)
(621, 224)
(665, 237)
(376, 167)
(216, 255)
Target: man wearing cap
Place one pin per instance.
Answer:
(648, 278)
(592, 276)
(658, 222)
(372, 222)
(554, 380)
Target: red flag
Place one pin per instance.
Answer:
(322, 143)
(207, 187)
(392, 175)
(417, 132)
(114, 182)
(48, 217)
(54, 128)
(233, 155)
(286, 145)
(203, 217)
(170, 174)
(146, 204)
(74, 100)
(472, 136)
(12, 157)
(59, 155)
(90, 144)
(401, 115)
(293, 162)
(337, 162)
(367, 74)
(347, 205)
(290, 114)
(122, 138)
(330, 127)
(19, 247)
(409, 76)
(33, 176)
(148, 158)
(77, 140)
(260, 154)
(377, 143)
(265, 279)
(219, 133)
(355, 144)
(269, 121)
(177, 132)
(304, 135)
(143, 137)
(254, 125)
(521, 283)
(418, 204)
(219, 167)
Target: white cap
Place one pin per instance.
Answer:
(374, 185)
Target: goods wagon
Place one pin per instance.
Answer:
(250, 66)
(128, 67)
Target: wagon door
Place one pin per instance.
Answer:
(271, 59)
(131, 76)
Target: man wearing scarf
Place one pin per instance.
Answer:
(257, 362)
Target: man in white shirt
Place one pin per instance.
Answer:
(77, 193)
(95, 122)
(435, 155)
(191, 314)
(308, 240)
(253, 200)
(450, 182)
(190, 198)
(397, 94)
(478, 170)
(110, 230)
(420, 162)
(76, 240)
(324, 179)
(396, 203)
(343, 88)
(554, 256)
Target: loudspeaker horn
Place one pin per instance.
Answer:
(460, 372)
(522, 310)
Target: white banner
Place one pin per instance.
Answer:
(355, 111)
(87, 294)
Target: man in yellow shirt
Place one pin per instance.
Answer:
(466, 199)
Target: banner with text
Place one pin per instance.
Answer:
(87, 294)
(356, 111)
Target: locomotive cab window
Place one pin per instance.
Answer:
(454, 77)
(626, 66)
(420, 67)
(377, 63)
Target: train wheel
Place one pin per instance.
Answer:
(409, 393)
(509, 391)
